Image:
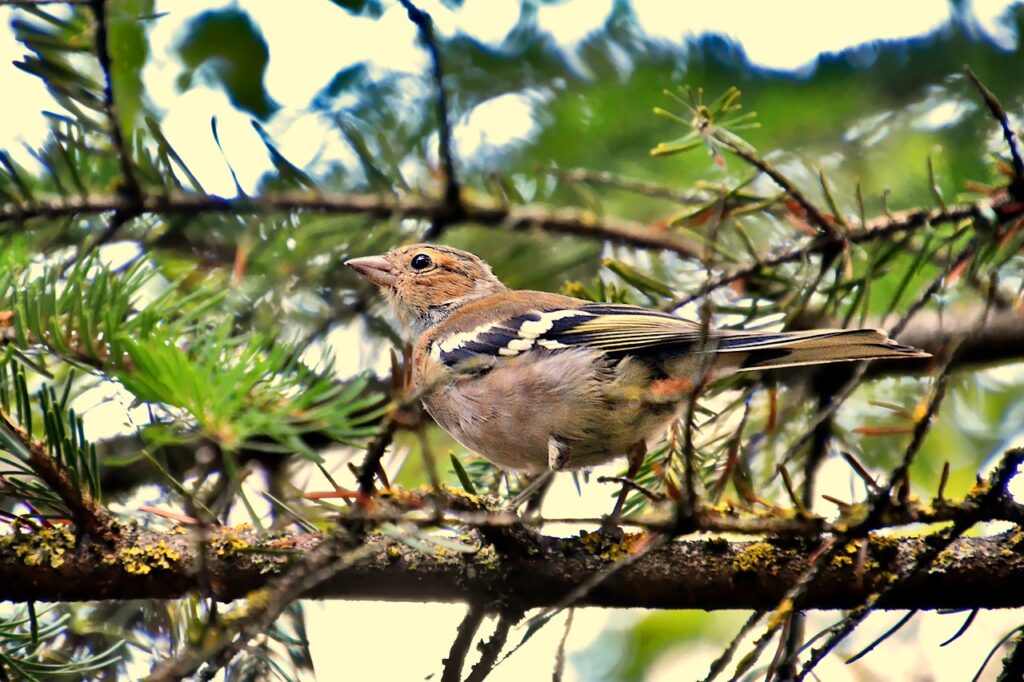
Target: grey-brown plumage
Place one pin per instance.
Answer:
(532, 380)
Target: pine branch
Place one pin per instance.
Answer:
(531, 216)
(129, 182)
(557, 220)
(1001, 210)
(995, 107)
(86, 512)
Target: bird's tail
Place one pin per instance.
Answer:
(789, 349)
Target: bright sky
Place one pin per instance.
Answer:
(310, 40)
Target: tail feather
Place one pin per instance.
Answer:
(789, 349)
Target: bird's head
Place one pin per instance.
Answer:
(424, 283)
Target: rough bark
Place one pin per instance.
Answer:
(527, 571)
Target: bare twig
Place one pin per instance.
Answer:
(453, 209)
(1013, 664)
(882, 637)
(129, 183)
(875, 229)
(464, 637)
(720, 663)
(42, 3)
(338, 551)
(559, 670)
(628, 184)
(994, 495)
(374, 453)
(491, 649)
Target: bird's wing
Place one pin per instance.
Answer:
(519, 321)
(612, 328)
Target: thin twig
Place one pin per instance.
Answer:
(464, 637)
(993, 496)
(42, 3)
(129, 183)
(882, 637)
(531, 216)
(816, 216)
(997, 111)
(875, 229)
(374, 453)
(338, 551)
(628, 184)
(1013, 664)
(491, 649)
(559, 670)
(719, 664)
(453, 209)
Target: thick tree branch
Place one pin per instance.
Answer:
(701, 574)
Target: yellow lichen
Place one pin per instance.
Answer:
(142, 560)
(754, 558)
(600, 544)
(43, 546)
(487, 557)
(231, 539)
(476, 500)
(978, 489)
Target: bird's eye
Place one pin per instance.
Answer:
(421, 261)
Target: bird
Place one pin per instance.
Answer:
(535, 381)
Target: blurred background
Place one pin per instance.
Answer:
(868, 92)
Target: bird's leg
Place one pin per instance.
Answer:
(635, 456)
(558, 453)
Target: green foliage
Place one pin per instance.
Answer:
(61, 432)
(33, 648)
(230, 50)
(239, 390)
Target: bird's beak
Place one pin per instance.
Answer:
(377, 269)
